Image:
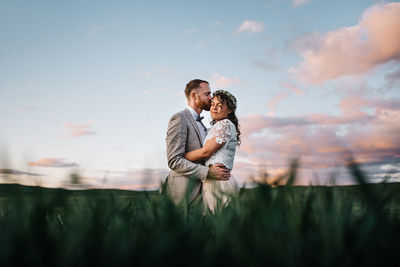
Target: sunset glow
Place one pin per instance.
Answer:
(88, 87)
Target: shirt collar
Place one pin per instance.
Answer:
(193, 112)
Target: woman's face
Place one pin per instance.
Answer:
(218, 110)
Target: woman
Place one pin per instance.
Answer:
(219, 147)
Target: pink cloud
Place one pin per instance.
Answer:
(52, 162)
(353, 104)
(279, 97)
(375, 40)
(220, 81)
(275, 101)
(292, 88)
(79, 130)
(323, 141)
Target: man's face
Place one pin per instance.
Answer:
(203, 97)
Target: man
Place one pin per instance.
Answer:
(185, 133)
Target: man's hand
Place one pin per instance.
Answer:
(218, 172)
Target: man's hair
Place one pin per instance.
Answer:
(193, 84)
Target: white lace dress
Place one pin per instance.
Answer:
(216, 192)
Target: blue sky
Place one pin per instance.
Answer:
(89, 86)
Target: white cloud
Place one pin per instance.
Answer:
(251, 26)
(297, 3)
(219, 81)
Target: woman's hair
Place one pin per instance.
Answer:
(227, 98)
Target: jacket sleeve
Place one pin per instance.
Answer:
(176, 144)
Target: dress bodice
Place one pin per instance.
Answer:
(223, 131)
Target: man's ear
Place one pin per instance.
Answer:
(193, 95)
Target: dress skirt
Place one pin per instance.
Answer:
(217, 193)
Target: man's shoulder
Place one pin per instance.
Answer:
(179, 114)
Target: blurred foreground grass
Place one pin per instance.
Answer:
(283, 226)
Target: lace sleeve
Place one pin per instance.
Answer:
(221, 131)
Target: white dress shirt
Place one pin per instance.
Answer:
(199, 124)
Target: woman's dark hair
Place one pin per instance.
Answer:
(227, 98)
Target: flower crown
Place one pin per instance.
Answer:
(231, 98)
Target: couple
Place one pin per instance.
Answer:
(201, 161)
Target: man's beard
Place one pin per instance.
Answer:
(206, 106)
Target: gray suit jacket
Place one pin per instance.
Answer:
(185, 179)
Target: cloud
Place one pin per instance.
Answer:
(374, 41)
(293, 88)
(16, 172)
(52, 162)
(323, 141)
(250, 26)
(297, 3)
(275, 101)
(219, 81)
(78, 130)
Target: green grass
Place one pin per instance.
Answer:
(283, 226)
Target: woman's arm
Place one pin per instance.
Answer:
(209, 148)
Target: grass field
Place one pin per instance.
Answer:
(282, 226)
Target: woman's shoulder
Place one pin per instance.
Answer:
(225, 124)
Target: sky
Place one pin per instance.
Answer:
(88, 87)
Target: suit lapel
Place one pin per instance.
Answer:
(194, 124)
